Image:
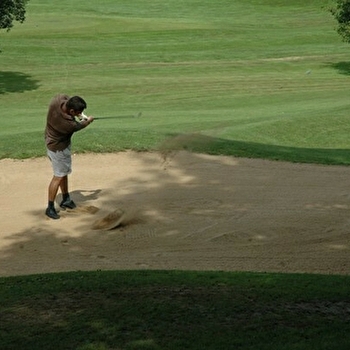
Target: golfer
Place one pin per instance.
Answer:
(63, 120)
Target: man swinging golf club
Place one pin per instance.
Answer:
(61, 124)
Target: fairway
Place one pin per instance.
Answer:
(266, 79)
(257, 79)
(248, 79)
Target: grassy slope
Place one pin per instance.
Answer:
(265, 79)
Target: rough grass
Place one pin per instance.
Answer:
(174, 310)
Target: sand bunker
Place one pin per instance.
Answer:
(187, 211)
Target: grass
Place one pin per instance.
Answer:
(264, 79)
(239, 73)
(174, 310)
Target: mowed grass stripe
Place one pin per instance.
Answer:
(255, 72)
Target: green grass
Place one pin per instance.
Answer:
(174, 310)
(265, 79)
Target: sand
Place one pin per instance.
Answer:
(184, 211)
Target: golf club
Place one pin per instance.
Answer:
(138, 115)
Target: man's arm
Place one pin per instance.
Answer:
(85, 122)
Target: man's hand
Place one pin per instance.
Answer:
(85, 121)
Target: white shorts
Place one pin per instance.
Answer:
(61, 162)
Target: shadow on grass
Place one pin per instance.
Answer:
(156, 310)
(197, 143)
(16, 82)
(216, 146)
(341, 67)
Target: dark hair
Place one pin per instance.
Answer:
(76, 103)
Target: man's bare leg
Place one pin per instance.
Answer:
(52, 193)
(64, 185)
(66, 200)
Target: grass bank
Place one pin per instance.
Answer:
(174, 310)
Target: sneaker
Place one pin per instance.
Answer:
(51, 213)
(67, 204)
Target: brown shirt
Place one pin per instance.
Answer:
(60, 126)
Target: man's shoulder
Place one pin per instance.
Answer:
(59, 98)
